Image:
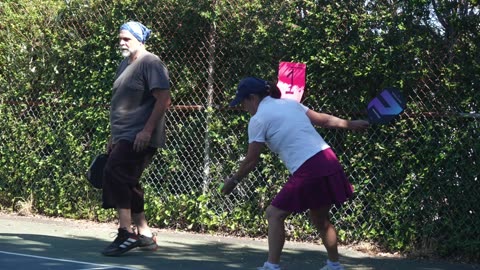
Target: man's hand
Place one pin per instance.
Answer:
(142, 141)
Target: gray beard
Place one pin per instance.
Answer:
(126, 53)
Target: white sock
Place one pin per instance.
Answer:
(271, 265)
(147, 234)
(334, 265)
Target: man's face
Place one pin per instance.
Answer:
(129, 45)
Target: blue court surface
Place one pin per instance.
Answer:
(41, 243)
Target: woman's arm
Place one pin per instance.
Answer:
(247, 165)
(330, 121)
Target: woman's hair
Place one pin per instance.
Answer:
(273, 90)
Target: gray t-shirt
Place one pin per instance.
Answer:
(132, 100)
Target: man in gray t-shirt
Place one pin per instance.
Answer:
(133, 98)
(140, 99)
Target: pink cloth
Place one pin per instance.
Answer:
(319, 182)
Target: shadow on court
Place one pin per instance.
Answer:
(40, 244)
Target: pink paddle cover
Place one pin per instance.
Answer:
(291, 80)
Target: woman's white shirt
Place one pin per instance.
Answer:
(283, 125)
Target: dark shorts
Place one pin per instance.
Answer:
(319, 182)
(121, 181)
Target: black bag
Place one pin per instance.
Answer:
(95, 171)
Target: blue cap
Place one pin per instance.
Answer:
(248, 86)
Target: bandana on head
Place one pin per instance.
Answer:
(138, 30)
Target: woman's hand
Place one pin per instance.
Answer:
(228, 185)
(358, 124)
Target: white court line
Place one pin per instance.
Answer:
(103, 266)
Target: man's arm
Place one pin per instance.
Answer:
(162, 102)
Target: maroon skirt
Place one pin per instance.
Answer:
(319, 182)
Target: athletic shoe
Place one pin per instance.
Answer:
(147, 243)
(267, 267)
(124, 242)
(326, 267)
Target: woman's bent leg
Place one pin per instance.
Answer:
(321, 220)
(276, 233)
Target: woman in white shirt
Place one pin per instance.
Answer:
(317, 178)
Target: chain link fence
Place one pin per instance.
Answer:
(421, 169)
